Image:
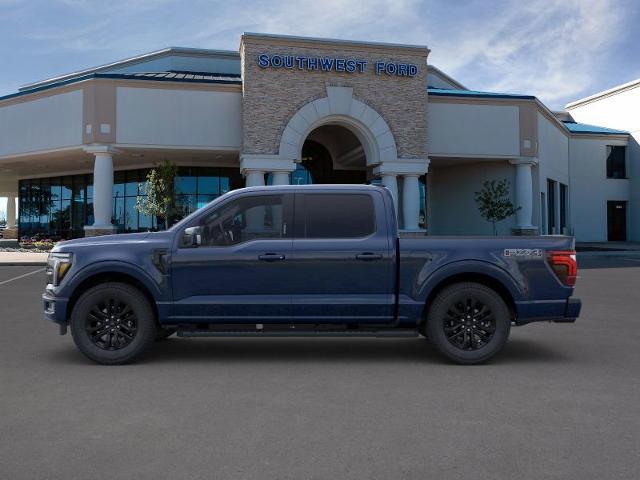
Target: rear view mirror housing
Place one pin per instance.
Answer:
(192, 237)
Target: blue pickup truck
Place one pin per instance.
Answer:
(322, 260)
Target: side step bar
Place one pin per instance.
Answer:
(188, 333)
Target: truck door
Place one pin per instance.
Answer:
(240, 270)
(342, 264)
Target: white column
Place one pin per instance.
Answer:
(410, 169)
(254, 178)
(102, 189)
(524, 192)
(280, 178)
(390, 180)
(11, 212)
(410, 202)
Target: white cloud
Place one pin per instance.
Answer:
(553, 49)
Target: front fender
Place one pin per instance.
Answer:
(153, 280)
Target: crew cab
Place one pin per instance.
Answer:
(317, 260)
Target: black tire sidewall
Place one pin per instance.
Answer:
(439, 307)
(146, 328)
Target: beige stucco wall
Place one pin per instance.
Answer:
(50, 122)
(462, 129)
(179, 117)
(272, 96)
(453, 209)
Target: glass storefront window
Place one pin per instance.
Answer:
(60, 207)
(186, 185)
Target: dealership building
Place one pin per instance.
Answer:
(74, 150)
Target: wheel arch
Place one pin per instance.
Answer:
(101, 277)
(499, 281)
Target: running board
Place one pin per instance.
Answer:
(402, 333)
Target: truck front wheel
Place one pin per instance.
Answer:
(468, 323)
(113, 323)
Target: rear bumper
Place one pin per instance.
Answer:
(560, 311)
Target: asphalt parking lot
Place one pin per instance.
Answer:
(562, 401)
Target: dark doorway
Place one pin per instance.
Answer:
(551, 207)
(617, 221)
(317, 160)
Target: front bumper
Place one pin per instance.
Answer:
(55, 310)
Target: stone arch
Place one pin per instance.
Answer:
(340, 108)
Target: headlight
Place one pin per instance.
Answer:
(58, 264)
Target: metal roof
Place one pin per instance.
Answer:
(575, 127)
(445, 92)
(131, 61)
(176, 75)
(186, 77)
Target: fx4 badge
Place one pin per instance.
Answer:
(523, 252)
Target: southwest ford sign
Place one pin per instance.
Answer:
(334, 64)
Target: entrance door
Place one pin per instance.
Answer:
(240, 271)
(617, 221)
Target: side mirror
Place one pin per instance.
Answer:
(192, 237)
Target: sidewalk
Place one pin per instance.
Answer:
(23, 258)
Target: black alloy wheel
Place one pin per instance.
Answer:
(468, 322)
(113, 323)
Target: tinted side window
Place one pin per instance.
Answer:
(338, 215)
(245, 219)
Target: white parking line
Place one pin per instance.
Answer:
(22, 276)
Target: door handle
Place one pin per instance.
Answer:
(271, 257)
(368, 256)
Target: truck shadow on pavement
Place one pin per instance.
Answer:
(242, 350)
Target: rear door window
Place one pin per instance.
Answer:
(338, 215)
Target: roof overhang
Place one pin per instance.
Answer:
(605, 93)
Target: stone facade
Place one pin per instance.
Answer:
(272, 96)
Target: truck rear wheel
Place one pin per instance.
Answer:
(113, 323)
(468, 323)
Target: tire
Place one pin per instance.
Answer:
(468, 323)
(164, 333)
(125, 316)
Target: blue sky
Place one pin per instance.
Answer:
(558, 50)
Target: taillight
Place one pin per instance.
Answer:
(564, 265)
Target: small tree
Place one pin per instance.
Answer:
(494, 203)
(160, 199)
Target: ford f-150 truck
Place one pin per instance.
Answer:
(321, 260)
